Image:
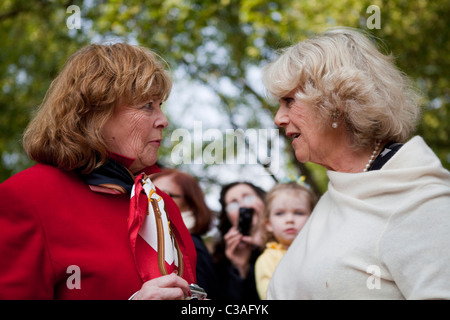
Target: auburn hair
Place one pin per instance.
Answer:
(66, 131)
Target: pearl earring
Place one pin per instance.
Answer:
(335, 116)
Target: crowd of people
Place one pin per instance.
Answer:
(96, 200)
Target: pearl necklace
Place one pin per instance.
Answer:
(372, 157)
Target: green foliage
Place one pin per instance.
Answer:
(35, 44)
(212, 43)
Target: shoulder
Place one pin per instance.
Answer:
(39, 173)
(38, 184)
(272, 254)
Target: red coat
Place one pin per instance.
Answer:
(50, 220)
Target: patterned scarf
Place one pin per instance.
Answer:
(152, 238)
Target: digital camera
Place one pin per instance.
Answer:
(245, 220)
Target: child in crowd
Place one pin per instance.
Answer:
(288, 206)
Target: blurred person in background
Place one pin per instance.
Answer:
(288, 207)
(236, 253)
(187, 193)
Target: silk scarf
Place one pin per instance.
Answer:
(152, 237)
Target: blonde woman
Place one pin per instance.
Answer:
(381, 229)
(86, 222)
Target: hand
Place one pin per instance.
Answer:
(169, 287)
(256, 239)
(237, 251)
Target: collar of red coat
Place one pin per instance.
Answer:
(127, 162)
(111, 188)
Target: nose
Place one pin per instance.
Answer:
(289, 217)
(281, 118)
(161, 121)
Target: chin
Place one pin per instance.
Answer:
(301, 157)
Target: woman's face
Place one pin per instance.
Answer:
(242, 195)
(136, 132)
(310, 143)
(168, 185)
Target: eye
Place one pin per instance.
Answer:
(300, 213)
(287, 101)
(151, 104)
(279, 213)
(248, 200)
(232, 207)
(148, 105)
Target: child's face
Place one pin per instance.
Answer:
(288, 214)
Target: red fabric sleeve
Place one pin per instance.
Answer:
(23, 248)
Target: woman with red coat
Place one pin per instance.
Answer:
(86, 222)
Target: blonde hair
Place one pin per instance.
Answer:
(66, 130)
(341, 72)
(281, 188)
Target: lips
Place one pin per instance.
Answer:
(290, 231)
(156, 141)
(293, 135)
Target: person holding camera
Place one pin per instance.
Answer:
(235, 255)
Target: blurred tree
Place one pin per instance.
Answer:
(218, 44)
(35, 44)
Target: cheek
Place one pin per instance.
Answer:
(233, 217)
(135, 139)
(276, 224)
(259, 208)
(122, 132)
(136, 133)
(297, 115)
(129, 143)
(300, 221)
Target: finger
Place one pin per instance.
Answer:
(158, 288)
(174, 281)
(231, 233)
(156, 293)
(172, 294)
(234, 240)
(247, 239)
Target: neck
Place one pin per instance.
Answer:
(353, 161)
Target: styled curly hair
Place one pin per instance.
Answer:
(66, 129)
(341, 72)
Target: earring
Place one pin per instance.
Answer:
(335, 116)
